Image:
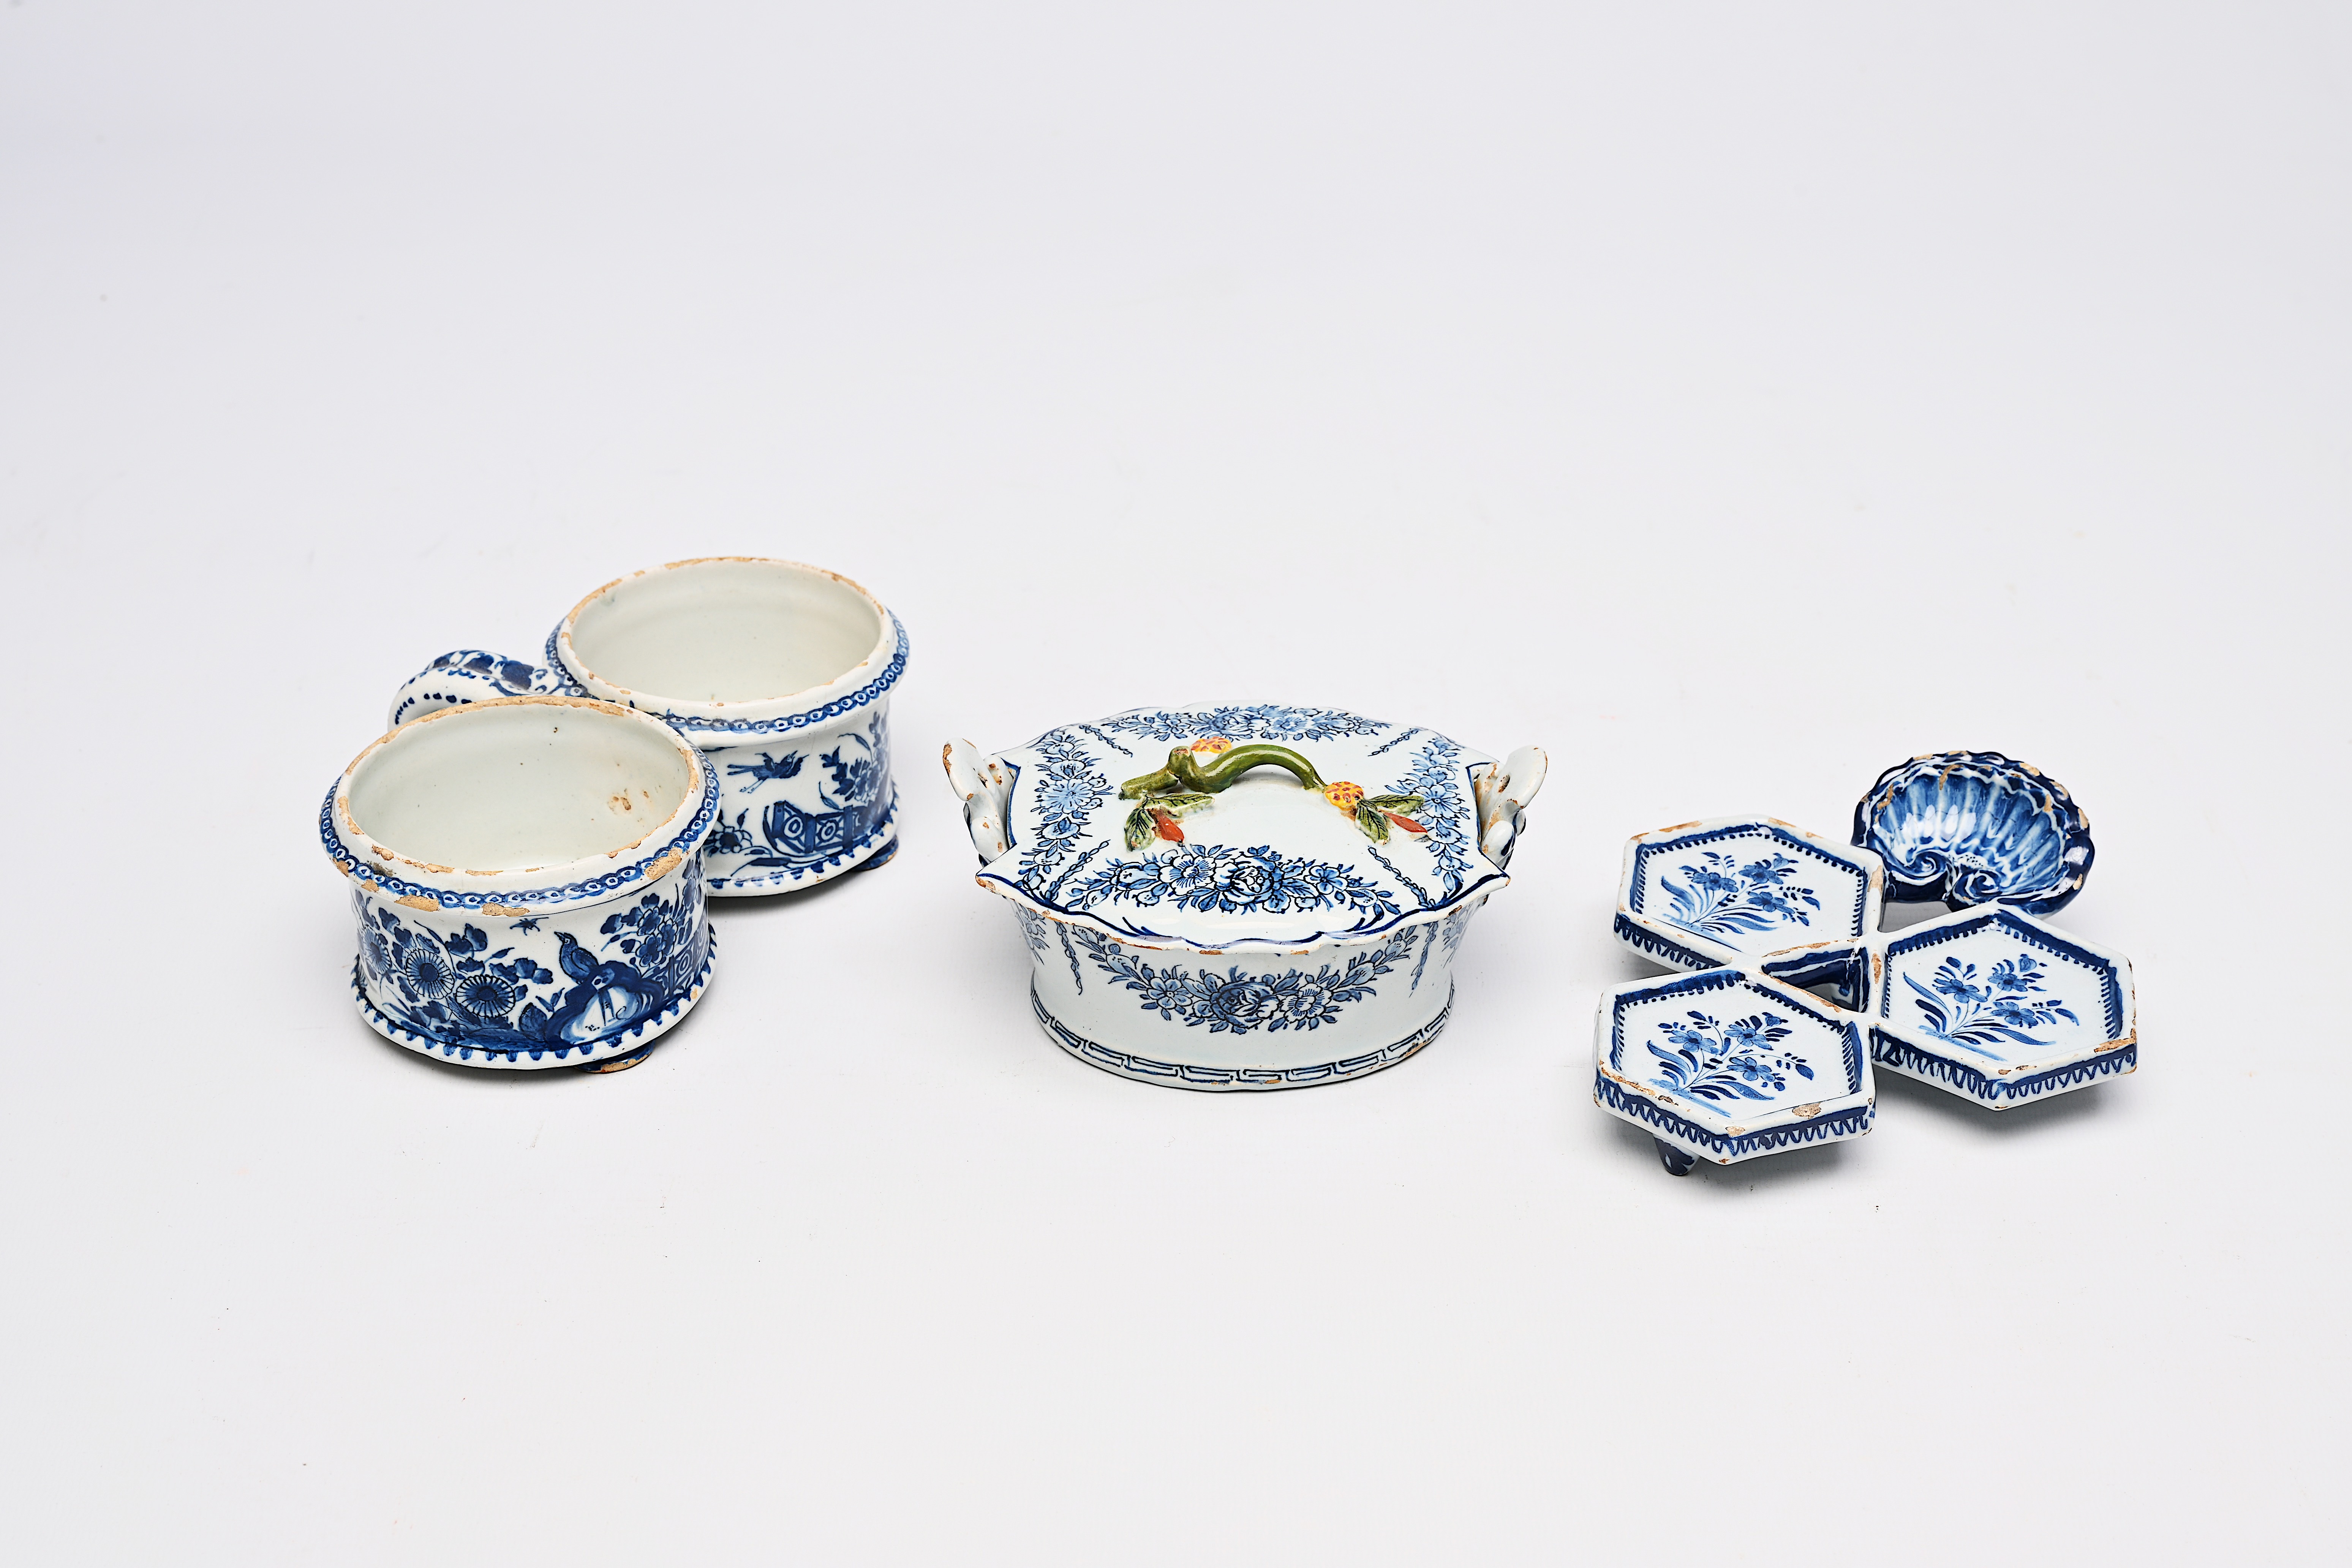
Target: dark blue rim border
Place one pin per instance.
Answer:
(686, 843)
(1747, 829)
(1827, 1128)
(1897, 1052)
(1226, 945)
(2111, 994)
(1650, 944)
(2073, 828)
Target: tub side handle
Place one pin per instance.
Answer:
(1503, 794)
(985, 787)
(471, 675)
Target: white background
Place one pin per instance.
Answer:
(1734, 400)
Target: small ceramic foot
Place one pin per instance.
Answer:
(617, 1064)
(1676, 1162)
(882, 860)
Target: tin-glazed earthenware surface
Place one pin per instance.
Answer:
(1243, 896)
(527, 881)
(1724, 1066)
(781, 671)
(1988, 1004)
(1976, 827)
(1731, 888)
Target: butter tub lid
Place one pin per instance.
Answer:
(1245, 824)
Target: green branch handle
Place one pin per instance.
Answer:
(1187, 784)
(1185, 773)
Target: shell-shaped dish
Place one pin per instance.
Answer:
(1976, 827)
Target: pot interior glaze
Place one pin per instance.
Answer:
(521, 784)
(725, 630)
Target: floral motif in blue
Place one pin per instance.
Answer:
(1238, 1002)
(733, 838)
(1258, 721)
(1724, 897)
(1064, 800)
(1436, 777)
(858, 776)
(453, 988)
(1974, 1013)
(1066, 791)
(1725, 1063)
(1457, 925)
(1221, 877)
(1033, 929)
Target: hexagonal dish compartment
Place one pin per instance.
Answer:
(1726, 1066)
(1999, 1007)
(1732, 888)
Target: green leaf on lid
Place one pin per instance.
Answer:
(1407, 803)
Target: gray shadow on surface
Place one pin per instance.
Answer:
(1895, 917)
(766, 906)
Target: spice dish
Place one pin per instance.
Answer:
(1988, 1004)
(1732, 888)
(1976, 827)
(1725, 1065)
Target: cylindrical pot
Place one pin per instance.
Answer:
(526, 878)
(780, 672)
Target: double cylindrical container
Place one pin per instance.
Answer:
(531, 846)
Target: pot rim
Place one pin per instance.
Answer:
(1248, 946)
(519, 890)
(1009, 830)
(726, 722)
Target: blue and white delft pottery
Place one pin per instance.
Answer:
(1732, 888)
(1975, 828)
(780, 672)
(527, 877)
(1988, 1004)
(1231, 920)
(1725, 1065)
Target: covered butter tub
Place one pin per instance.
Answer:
(1243, 896)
